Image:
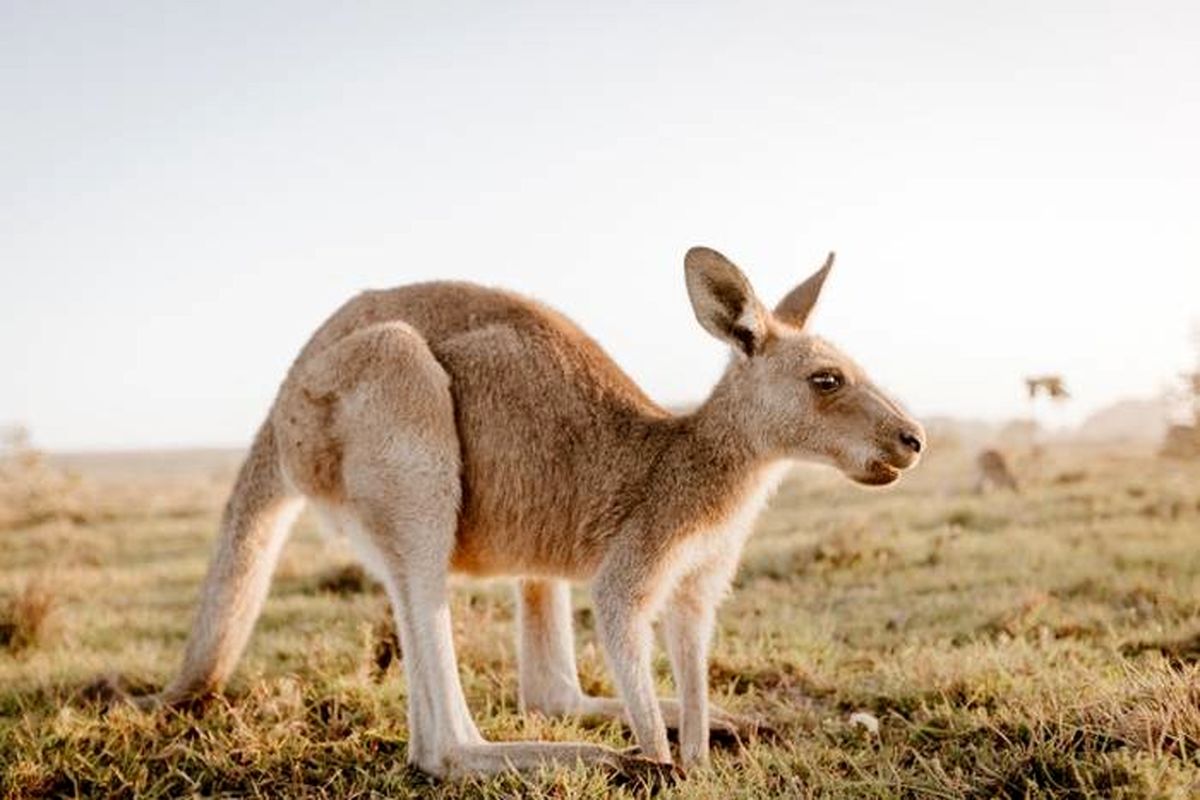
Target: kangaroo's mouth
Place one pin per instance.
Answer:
(877, 473)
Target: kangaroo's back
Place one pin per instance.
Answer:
(453, 315)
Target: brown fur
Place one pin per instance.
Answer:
(994, 472)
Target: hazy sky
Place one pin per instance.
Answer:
(188, 189)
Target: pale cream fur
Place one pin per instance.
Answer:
(448, 427)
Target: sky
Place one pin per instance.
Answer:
(188, 189)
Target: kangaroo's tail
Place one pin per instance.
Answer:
(254, 527)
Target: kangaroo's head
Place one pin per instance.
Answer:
(794, 394)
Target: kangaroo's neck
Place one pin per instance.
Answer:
(711, 466)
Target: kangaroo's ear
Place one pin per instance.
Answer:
(798, 305)
(723, 300)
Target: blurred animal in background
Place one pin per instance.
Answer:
(994, 472)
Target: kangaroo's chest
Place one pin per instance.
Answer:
(720, 542)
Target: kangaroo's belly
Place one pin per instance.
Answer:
(528, 522)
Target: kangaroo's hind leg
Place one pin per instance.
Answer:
(401, 485)
(549, 678)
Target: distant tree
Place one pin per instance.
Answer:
(1192, 380)
(1183, 440)
(1050, 385)
(14, 439)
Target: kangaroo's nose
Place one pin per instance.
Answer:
(911, 440)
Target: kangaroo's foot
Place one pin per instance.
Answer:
(491, 758)
(729, 731)
(726, 730)
(190, 698)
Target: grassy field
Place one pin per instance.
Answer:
(1041, 644)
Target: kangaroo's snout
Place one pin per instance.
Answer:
(908, 445)
(912, 441)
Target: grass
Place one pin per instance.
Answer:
(1045, 644)
(23, 617)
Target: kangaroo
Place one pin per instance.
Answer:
(448, 427)
(994, 472)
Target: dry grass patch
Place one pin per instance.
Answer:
(24, 617)
(1034, 646)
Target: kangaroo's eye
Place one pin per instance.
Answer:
(826, 381)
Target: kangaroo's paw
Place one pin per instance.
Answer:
(733, 731)
(728, 731)
(195, 704)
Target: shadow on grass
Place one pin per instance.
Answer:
(1179, 652)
